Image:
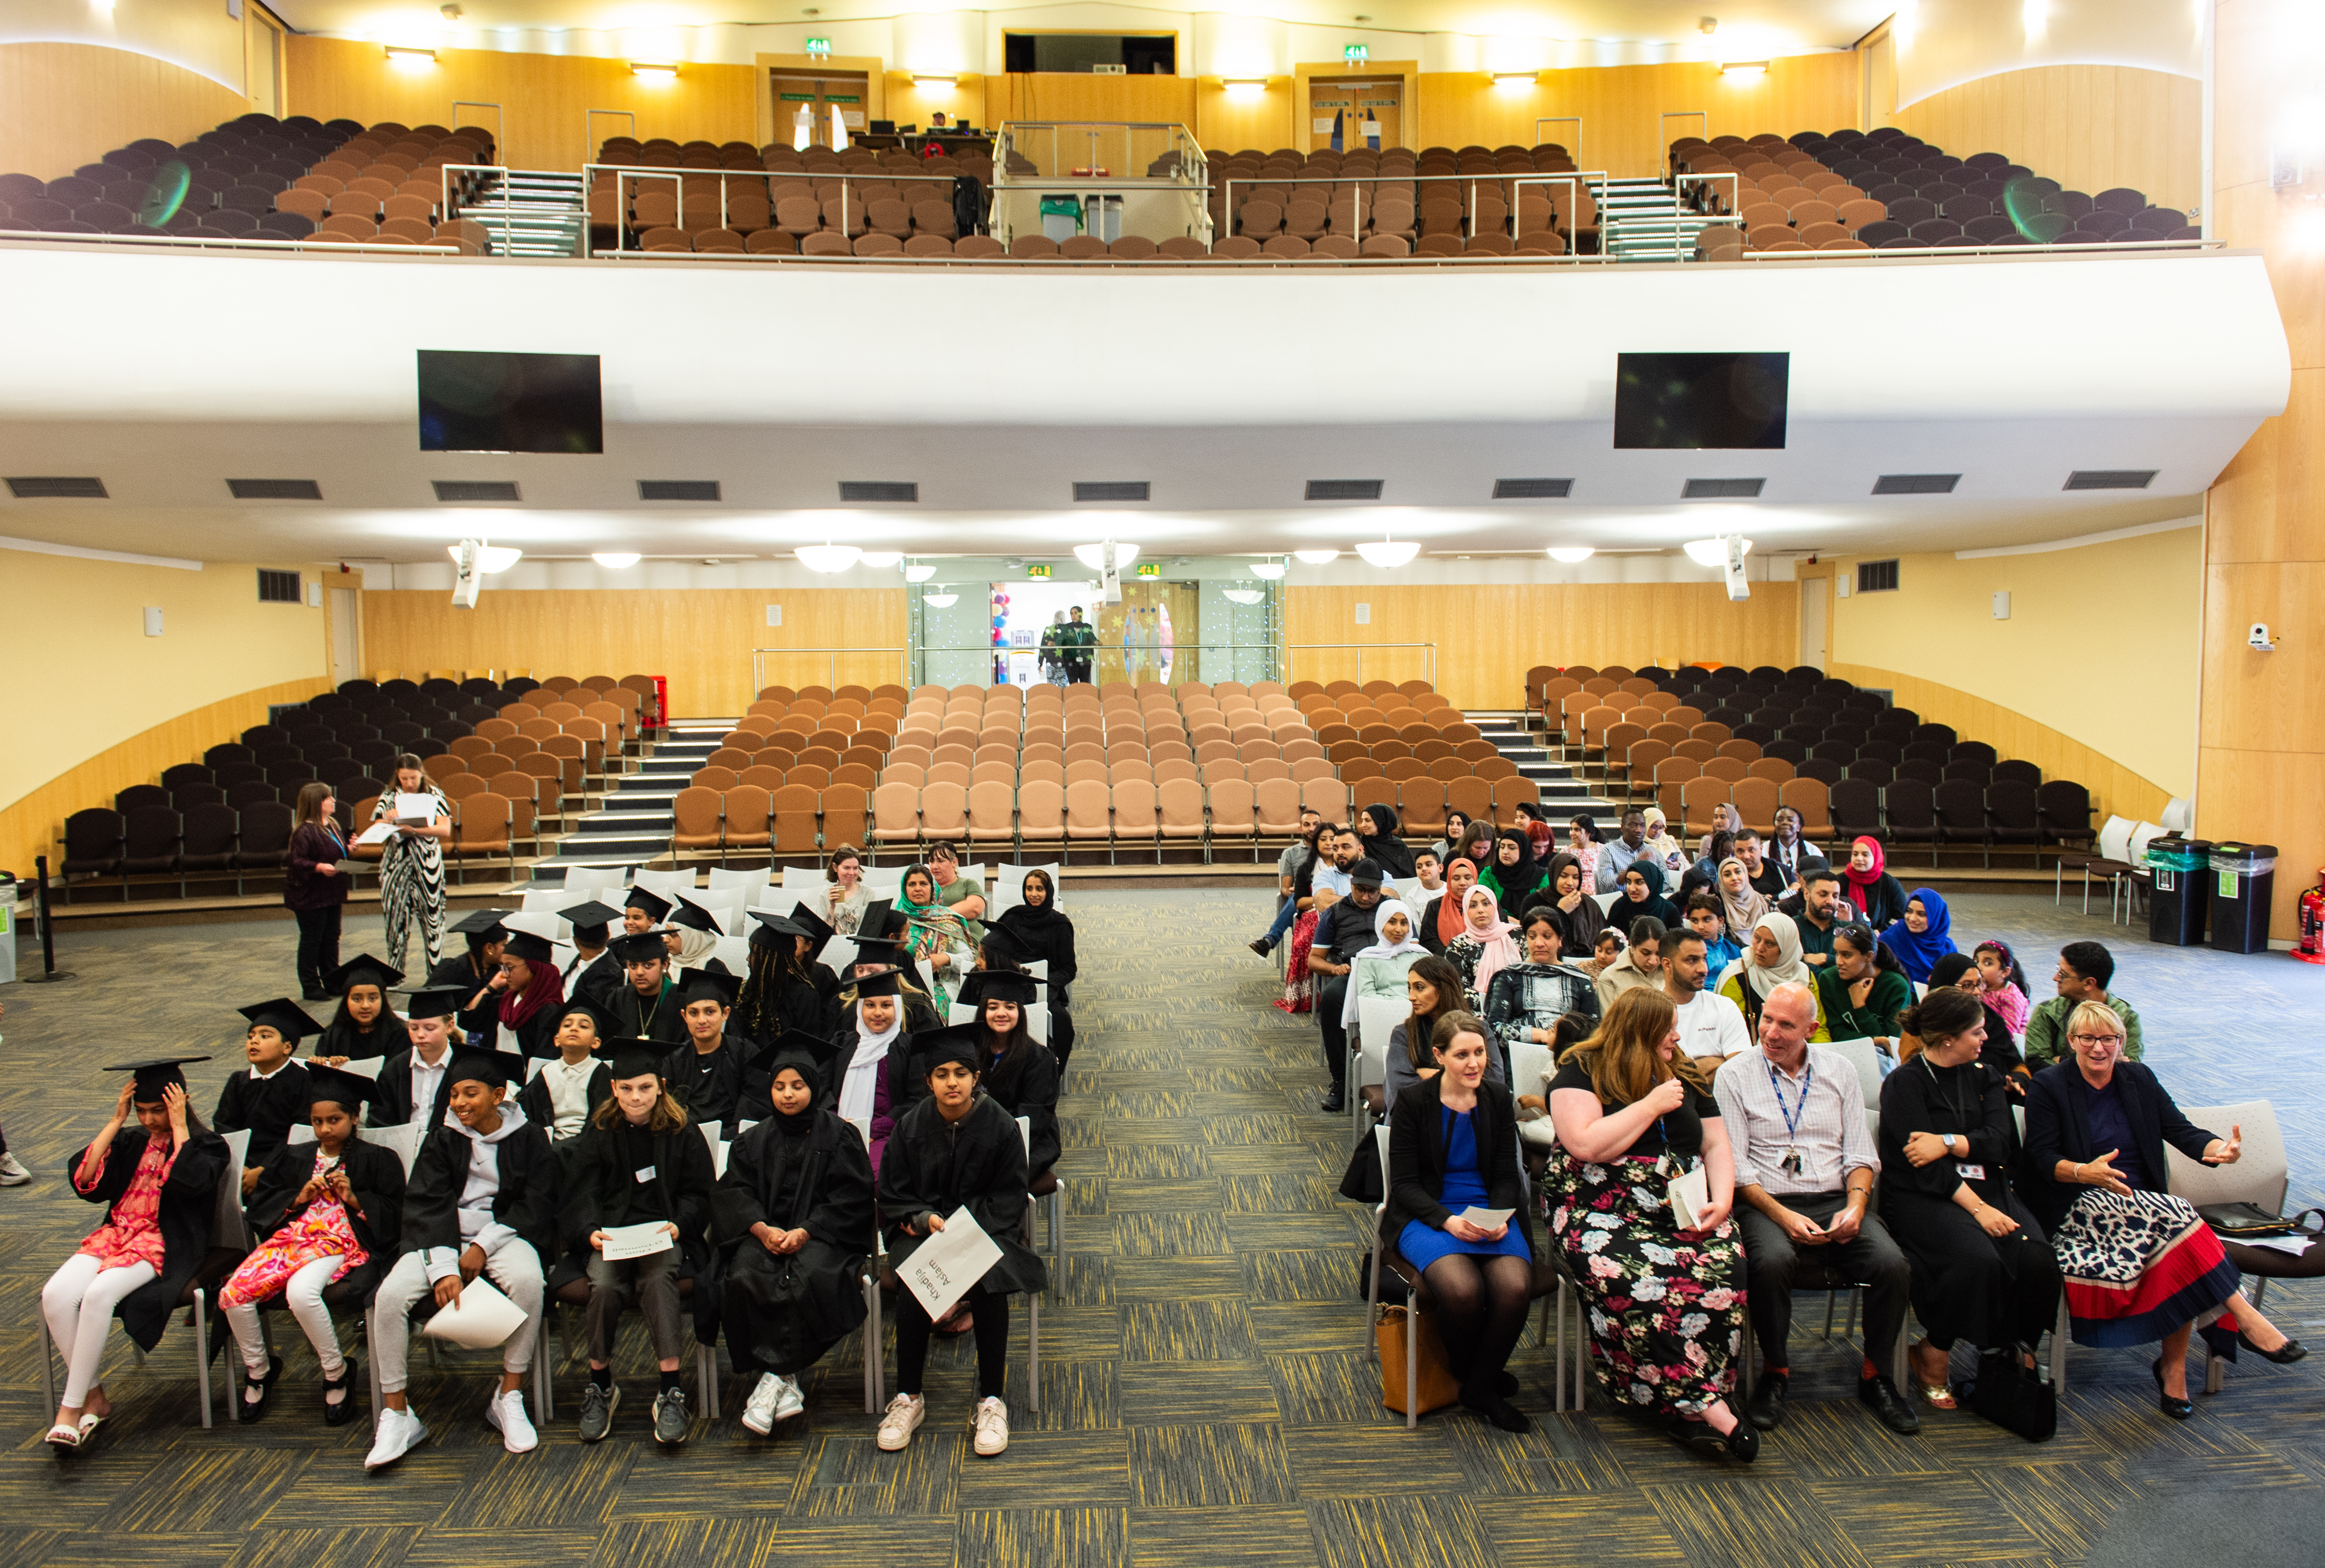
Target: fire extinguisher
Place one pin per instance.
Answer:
(2311, 948)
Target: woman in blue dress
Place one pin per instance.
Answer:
(1453, 1148)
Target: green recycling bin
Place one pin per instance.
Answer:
(2244, 878)
(2178, 890)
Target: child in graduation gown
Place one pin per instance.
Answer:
(158, 1182)
(706, 1072)
(269, 1097)
(795, 1223)
(786, 992)
(330, 1212)
(1015, 1070)
(364, 1027)
(956, 1148)
(559, 1096)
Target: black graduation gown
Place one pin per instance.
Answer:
(526, 1200)
(461, 969)
(189, 1214)
(933, 1166)
(387, 1036)
(375, 1177)
(539, 1110)
(598, 1175)
(1049, 940)
(790, 1004)
(596, 981)
(659, 1017)
(391, 1093)
(268, 1109)
(781, 1314)
(710, 1087)
(1027, 1087)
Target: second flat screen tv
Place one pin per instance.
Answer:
(1700, 400)
(473, 402)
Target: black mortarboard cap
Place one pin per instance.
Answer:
(635, 1057)
(714, 982)
(640, 947)
(818, 930)
(437, 1001)
(876, 916)
(326, 1082)
(156, 1073)
(882, 950)
(959, 1043)
(800, 1059)
(656, 906)
(773, 927)
(497, 1068)
(1001, 986)
(877, 983)
(285, 1017)
(589, 916)
(532, 949)
(481, 927)
(362, 969)
(1002, 949)
(693, 917)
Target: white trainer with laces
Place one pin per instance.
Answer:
(905, 1416)
(12, 1172)
(992, 1423)
(398, 1433)
(759, 1412)
(506, 1412)
(790, 1401)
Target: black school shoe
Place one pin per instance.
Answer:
(246, 1409)
(1896, 1412)
(344, 1410)
(1766, 1410)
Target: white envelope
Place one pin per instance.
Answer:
(1487, 1218)
(482, 1318)
(624, 1242)
(943, 1267)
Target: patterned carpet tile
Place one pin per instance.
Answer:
(1214, 1465)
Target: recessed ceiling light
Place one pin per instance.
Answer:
(1571, 553)
(616, 560)
(1317, 557)
(828, 557)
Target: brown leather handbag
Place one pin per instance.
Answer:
(1435, 1378)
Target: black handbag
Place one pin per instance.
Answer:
(2014, 1395)
(2247, 1220)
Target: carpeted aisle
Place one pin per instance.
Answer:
(1208, 1394)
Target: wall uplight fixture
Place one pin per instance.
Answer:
(1571, 554)
(1509, 81)
(1744, 67)
(935, 84)
(828, 557)
(616, 560)
(1245, 86)
(403, 58)
(654, 72)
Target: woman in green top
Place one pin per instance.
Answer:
(1864, 991)
(1514, 876)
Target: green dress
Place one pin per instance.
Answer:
(1891, 995)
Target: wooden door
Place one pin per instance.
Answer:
(1363, 112)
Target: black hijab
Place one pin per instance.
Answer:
(1393, 854)
(800, 1062)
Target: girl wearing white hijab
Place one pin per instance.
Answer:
(1770, 958)
(1378, 970)
(860, 1087)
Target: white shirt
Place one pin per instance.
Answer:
(569, 1095)
(425, 1081)
(1711, 1025)
(1817, 1115)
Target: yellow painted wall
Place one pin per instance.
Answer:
(2092, 678)
(700, 639)
(1488, 635)
(64, 105)
(125, 705)
(2091, 127)
(1229, 122)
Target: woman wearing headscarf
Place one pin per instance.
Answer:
(1566, 894)
(1043, 934)
(1487, 945)
(1457, 828)
(1642, 894)
(1513, 878)
(1742, 903)
(1922, 937)
(1378, 826)
(532, 993)
(1770, 958)
(1442, 921)
(1378, 972)
(1879, 898)
(1639, 964)
(932, 931)
(1658, 846)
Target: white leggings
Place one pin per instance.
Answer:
(78, 1302)
(303, 1295)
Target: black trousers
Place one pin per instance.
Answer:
(1331, 996)
(988, 1311)
(318, 947)
(1772, 1263)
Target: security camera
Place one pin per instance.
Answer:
(2259, 637)
(467, 582)
(1738, 588)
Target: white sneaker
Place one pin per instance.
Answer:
(792, 1401)
(906, 1414)
(12, 1172)
(759, 1411)
(399, 1433)
(506, 1412)
(992, 1423)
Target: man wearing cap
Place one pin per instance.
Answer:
(412, 1086)
(475, 971)
(268, 1098)
(706, 1073)
(645, 1007)
(595, 972)
(482, 1201)
(1341, 933)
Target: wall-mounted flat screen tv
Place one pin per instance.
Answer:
(474, 401)
(1700, 400)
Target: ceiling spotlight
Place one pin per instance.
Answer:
(490, 557)
(1094, 555)
(1712, 552)
(1244, 595)
(1571, 553)
(1389, 553)
(919, 571)
(828, 557)
(940, 600)
(880, 560)
(616, 560)
(1270, 569)
(1317, 557)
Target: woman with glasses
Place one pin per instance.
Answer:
(2138, 1264)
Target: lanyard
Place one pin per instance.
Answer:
(1792, 1118)
(1945, 1091)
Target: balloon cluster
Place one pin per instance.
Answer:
(1000, 619)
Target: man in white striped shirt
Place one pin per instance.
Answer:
(1804, 1169)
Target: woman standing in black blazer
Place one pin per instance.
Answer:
(1455, 1143)
(2138, 1264)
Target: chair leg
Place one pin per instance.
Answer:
(2059, 1336)
(1372, 1301)
(202, 1353)
(371, 1368)
(1411, 1363)
(874, 1351)
(48, 1373)
(1033, 1355)
(706, 1378)
(544, 1397)
(2216, 1373)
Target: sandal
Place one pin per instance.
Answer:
(65, 1439)
(1939, 1394)
(89, 1423)
(344, 1410)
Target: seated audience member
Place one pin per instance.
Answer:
(691, 937)
(158, 1183)
(1542, 838)
(594, 972)
(1703, 876)
(1014, 1069)
(1513, 878)
(1453, 1146)
(1792, 855)
(1604, 952)
(964, 896)
(473, 971)
(482, 1199)
(1770, 958)
(1477, 846)
(1707, 917)
(529, 990)
(1982, 1268)
(1616, 857)
(845, 896)
(269, 1097)
(1661, 847)
(1999, 1051)
(1567, 894)
(1443, 920)
(646, 1007)
(1767, 879)
(1525, 1000)
(1642, 898)
(1804, 1171)
(1710, 1026)
(364, 1028)
(784, 990)
(706, 1073)
(1863, 992)
(1638, 963)
(2085, 969)
(1879, 898)
(1666, 1310)
(1377, 972)
(954, 1148)
(1378, 826)
(1743, 903)
(1294, 869)
(1432, 989)
(329, 1211)
(1725, 818)
(2002, 983)
(1457, 828)
(2138, 1264)
(1429, 872)
(934, 932)
(1487, 945)
(1818, 910)
(641, 1161)
(1582, 843)
(796, 1221)
(1922, 937)
(1043, 934)
(559, 1098)
(413, 1086)
(1344, 930)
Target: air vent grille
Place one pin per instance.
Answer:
(678, 490)
(49, 490)
(2110, 478)
(862, 492)
(1532, 489)
(474, 490)
(1916, 484)
(276, 489)
(277, 587)
(1722, 490)
(1111, 490)
(1344, 490)
(1876, 577)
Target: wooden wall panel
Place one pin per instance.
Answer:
(1227, 121)
(1080, 96)
(2091, 127)
(1488, 635)
(964, 100)
(64, 105)
(545, 100)
(700, 639)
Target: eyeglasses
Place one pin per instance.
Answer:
(2096, 1039)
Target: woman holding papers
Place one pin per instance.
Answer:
(1457, 1210)
(635, 1221)
(796, 1220)
(955, 1167)
(411, 860)
(313, 890)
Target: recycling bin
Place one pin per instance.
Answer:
(2243, 876)
(2178, 890)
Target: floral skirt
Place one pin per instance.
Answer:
(320, 1230)
(1299, 985)
(2137, 1267)
(1665, 1306)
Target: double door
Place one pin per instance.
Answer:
(1355, 112)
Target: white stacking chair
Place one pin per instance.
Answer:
(749, 880)
(1007, 888)
(1530, 1063)
(666, 885)
(2261, 1177)
(1376, 1019)
(735, 953)
(548, 900)
(1033, 1297)
(586, 879)
(802, 878)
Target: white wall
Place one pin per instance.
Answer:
(1942, 44)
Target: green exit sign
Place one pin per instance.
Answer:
(1357, 53)
(819, 47)
(1037, 571)
(1150, 569)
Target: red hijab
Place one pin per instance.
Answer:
(1862, 880)
(1451, 921)
(546, 990)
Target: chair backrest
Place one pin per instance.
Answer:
(1530, 1066)
(2259, 1178)
(2115, 838)
(1376, 1019)
(1867, 1062)
(229, 1225)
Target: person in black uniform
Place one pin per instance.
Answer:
(269, 1097)
(364, 1027)
(475, 971)
(594, 972)
(706, 1072)
(1015, 1070)
(786, 991)
(1041, 931)
(559, 1098)
(643, 910)
(645, 1007)
(529, 992)
(419, 1077)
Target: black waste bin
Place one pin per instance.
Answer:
(2244, 876)
(2178, 890)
